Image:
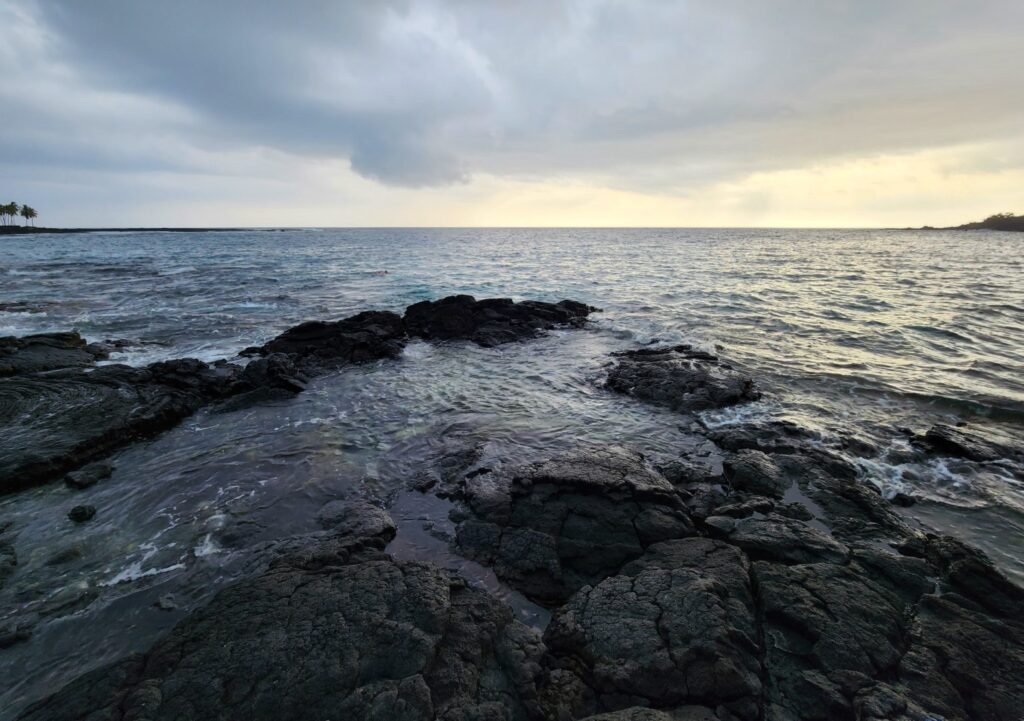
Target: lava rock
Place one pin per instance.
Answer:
(356, 518)
(318, 345)
(166, 603)
(755, 472)
(8, 561)
(778, 538)
(772, 436)
(89, 475)
(355, 635)
(52, 423)
(15, 634)
(549, 528)
(492, 321)
(638, 713)
(904, 500)
(676, 628)
(46, 351)
(947, 441)
(680, 378)
(829, 630)
(275, 370)
(962, 663)
(81, 514)
(65, 555)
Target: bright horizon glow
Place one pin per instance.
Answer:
(423, 113)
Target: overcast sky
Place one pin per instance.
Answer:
(711, 112)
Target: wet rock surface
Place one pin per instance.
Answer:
(81, 514)
(51, 423)
(492, 321)
(681, 378)
(675, 627)
(89, 475)
(960, 443)
(741, 614)
(316, 345)
(46, 351)
(338, 631)
(59, 411)
(549, 528)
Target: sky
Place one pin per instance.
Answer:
(736, 113)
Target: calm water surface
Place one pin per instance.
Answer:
(853, 333)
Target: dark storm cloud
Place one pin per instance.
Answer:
(418, 93)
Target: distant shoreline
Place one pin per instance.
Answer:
(22, 230)
(1014, 225)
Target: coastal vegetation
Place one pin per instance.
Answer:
(10, 212)
(999, 221)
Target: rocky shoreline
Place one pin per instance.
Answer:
(755, 578)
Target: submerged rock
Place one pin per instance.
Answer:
(52, 423)
(492, 321)
(340, 631)
(8, 561)
(549, 528)
(681, 378)
(81, 514)
(89, 475)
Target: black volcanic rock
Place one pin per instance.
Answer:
(681, 378)
(8, 561)
(492, 321)
(89, 475)
(46, 351)
(778, 538)
(54, 422)
(368, 336)
(341, 631)
(755, 472)
(81, 514)
(549, 528)
(58, 411)
(843, 613)
(676, 627)
(948, 441)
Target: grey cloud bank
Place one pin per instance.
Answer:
(652, 96)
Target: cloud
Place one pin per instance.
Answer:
(655, 97)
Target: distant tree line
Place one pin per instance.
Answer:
(11, 211)
(999, 221)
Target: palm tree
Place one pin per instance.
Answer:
(27, 213)
(11, 210)
(32, 215)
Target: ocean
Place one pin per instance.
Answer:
(858, 335)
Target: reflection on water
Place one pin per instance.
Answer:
(855, 334)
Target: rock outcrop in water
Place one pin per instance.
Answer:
(490, 322)
(316, 345)
(47, 351)
(680, 377)
(960, 443)
(51, 423)
(58, 411)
